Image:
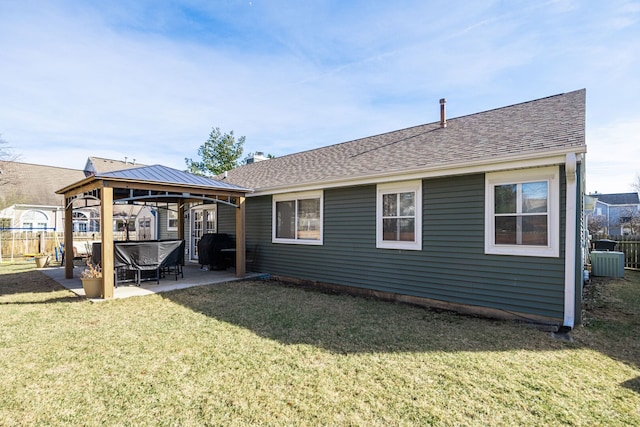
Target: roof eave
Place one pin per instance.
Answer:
(76, 185)
(113, 182)
(516, 161)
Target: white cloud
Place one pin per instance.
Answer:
(612, 158)
(148, 80)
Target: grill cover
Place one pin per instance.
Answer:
(209, 248)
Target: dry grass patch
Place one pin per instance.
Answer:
(248, 353)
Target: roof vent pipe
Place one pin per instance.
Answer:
(443, 114)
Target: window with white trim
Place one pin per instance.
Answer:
(172, 217)
(399, 215)
(522, 212)
(297, 218)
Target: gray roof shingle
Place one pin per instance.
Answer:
(96, 165)
(618, 198)
(531, 128)
(35, 184)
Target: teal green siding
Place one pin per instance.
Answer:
(451, 267)
(226, 219)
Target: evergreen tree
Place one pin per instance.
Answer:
(218, 154)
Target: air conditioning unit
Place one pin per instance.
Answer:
(607, 263)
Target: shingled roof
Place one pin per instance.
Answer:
(97, 165)
(618, 198)
(538, 128)
(35, 184)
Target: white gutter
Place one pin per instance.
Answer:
(570, 243)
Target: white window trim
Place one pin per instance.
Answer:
(291, 197)
(177, 213)
(552, 176)
(400, 187)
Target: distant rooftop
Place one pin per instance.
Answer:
(97, 165)
(618, 198)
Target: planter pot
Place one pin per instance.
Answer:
(42, 261)
(92, 287)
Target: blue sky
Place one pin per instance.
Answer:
(149, 79)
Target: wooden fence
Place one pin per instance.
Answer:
(630, 246)
(631, 253)
(19, 244)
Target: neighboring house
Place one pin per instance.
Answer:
(28, 199)
(619, 213)
(29, 204)
(480, 213)
(98, 165)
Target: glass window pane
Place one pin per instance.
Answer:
(389, 204)
(407, 204)
(172, 217)
(309, 219)
(534, 230)
(534, 197)
(407, 229)
(285, 220)
(505, 198)
(506, 230)
(390, 229)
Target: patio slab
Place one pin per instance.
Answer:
(193, 276)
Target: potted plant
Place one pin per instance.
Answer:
(42, 260)
(91, 278)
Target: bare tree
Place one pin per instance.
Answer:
(7, 197)
(597, 225)
(630, 220)
(6, 157)
(636, 184)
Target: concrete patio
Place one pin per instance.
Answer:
(193, 276)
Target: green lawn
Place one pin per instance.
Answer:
(263, 353)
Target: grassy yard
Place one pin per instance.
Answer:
(263, 353)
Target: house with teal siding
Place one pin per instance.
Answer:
(479, 214)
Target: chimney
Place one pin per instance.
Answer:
(443, 114)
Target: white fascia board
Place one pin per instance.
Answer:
(451, 169)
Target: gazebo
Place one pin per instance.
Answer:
(150, 185)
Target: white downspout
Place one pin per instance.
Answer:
(570, 243)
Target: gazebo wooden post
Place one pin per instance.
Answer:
(106, 218)
(68, 237)
(240, 236)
